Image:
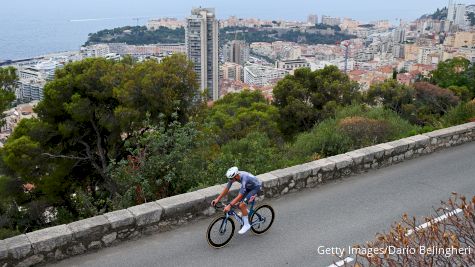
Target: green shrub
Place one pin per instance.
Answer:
(460, 114)
(7, 233)
(254, 153)
(353, 127)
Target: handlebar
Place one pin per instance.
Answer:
(221, 205)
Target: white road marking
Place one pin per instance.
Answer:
(433, 221)
(342, 262)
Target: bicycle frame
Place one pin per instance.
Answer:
(238, 218)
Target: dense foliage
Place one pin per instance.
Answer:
(8, 80)
(271, 35)
(114, 134)
(422, 103)
(138, 35)
(90, 111)
(307, 97)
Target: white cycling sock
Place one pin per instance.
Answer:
(245, 219)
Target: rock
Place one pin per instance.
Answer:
(179, 205)
(48, 239)
(148, 213)
(120, 218)
(342, 161)
(211, 193)
(35, 259)
(268, 180)
(95, 245)
(3, 250)
(76, 250)
(89, 228)
(58, 255)
(18, 246)
(357, 156)
(209, 211)
(284, 175)
(108, 239)
(292, 184)
(285, 191)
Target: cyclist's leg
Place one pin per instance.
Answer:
(245, 213)
(250, 196)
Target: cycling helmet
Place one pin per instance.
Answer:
(231, 173)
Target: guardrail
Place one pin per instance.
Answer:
(59, 242)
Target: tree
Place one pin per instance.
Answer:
(154, 168)
(255, 153)
(421, 103)
(450, 72)
(433, 99)
(307, 97)
(90, 111)
(236, 115)
(8, 83)
(392, 95)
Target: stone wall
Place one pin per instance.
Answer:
(59, 242)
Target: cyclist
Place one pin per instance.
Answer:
(250, 186)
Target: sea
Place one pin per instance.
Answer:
(30, 28)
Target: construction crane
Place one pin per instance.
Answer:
(346, 44)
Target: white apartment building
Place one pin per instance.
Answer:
(429, 55)
(202, 48)
(332, 21)
(97, 50)
(312, 19)
(30, 90)
(231, 71)
(262, 75)
(171, 23)
(291, 65)
(460, 15)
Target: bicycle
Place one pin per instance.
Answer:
(223, 226)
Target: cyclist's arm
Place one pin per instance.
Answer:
(236, 199)
(224, 193)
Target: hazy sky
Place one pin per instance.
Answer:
(35, 27)
(364, 10)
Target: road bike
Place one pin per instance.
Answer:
(221, 230)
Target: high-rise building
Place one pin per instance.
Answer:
(399, 35)
(201, 37)
(312, 19)
(460, 15)
(327, 20)
(236, 51)
(451, 11)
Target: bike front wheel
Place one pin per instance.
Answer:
(262, 219)
(220, 231)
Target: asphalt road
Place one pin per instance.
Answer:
(337, 214)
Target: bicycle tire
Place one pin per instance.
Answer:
(219, 221)
(254, 228)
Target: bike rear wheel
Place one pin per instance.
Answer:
(265, 215)
(220, 231)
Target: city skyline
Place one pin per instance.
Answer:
(31, 28)
(366, 10)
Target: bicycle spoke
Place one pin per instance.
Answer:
(220, 232)
(262, 219)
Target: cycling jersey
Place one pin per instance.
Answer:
(248, 182)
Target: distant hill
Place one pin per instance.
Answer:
(139, 35)
(439, 14)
